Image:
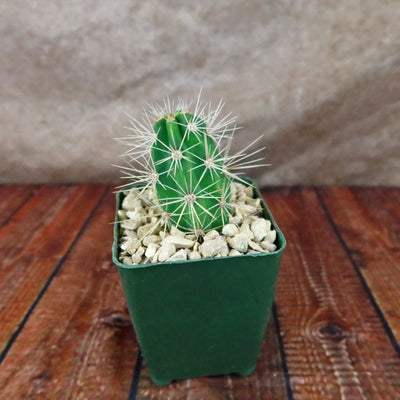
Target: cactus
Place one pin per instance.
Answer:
(184, 159)
(191, 184)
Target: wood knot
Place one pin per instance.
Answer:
(44, 375)
(359, 258)
(333, 332)
(115, 319)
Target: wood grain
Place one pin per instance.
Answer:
(33, 243)
(335, 343)
(78, 343)
(267, 381)
(12, 198)
(369, 222)
(62, 305)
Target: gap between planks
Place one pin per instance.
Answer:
(383, 316)
(14, 197)
(15, 324)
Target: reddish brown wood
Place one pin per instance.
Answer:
(32, 244)
(267, 382)
(369, 222)
(78, 343)
(11, 199)
(335, 343)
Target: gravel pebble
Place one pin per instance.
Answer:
(260, 228)
(230, 230)
(268, 246)
(178, 256)
(194, 255)
(211, 248)
(145, 230)
(130, 224)
(131, 201)
(140, 251)
(178, 241)
(127, 261)
(245, 230)
(211, 235)
(271, 236)
(151, 250)
(151, 239)
(255, 246)
(130, 245)
(239, 243)
(134, 214)
(166, 251)
(176, 232)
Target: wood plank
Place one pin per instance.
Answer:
(11, 199)
(267, 381)
(335, 343)
(369, 223)
(79, 342)
(33, 243)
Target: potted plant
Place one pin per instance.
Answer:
(197, 249)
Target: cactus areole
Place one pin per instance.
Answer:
(191, 183)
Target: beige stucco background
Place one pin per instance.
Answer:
(320, 80)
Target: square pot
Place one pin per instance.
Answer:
(201, 317)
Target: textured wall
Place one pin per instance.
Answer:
(321, 80)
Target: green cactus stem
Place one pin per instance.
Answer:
(191, 185)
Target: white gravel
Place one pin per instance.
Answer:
(145, 237)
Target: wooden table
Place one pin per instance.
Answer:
(334, 334)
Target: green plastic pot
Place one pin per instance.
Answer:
(201, 317)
